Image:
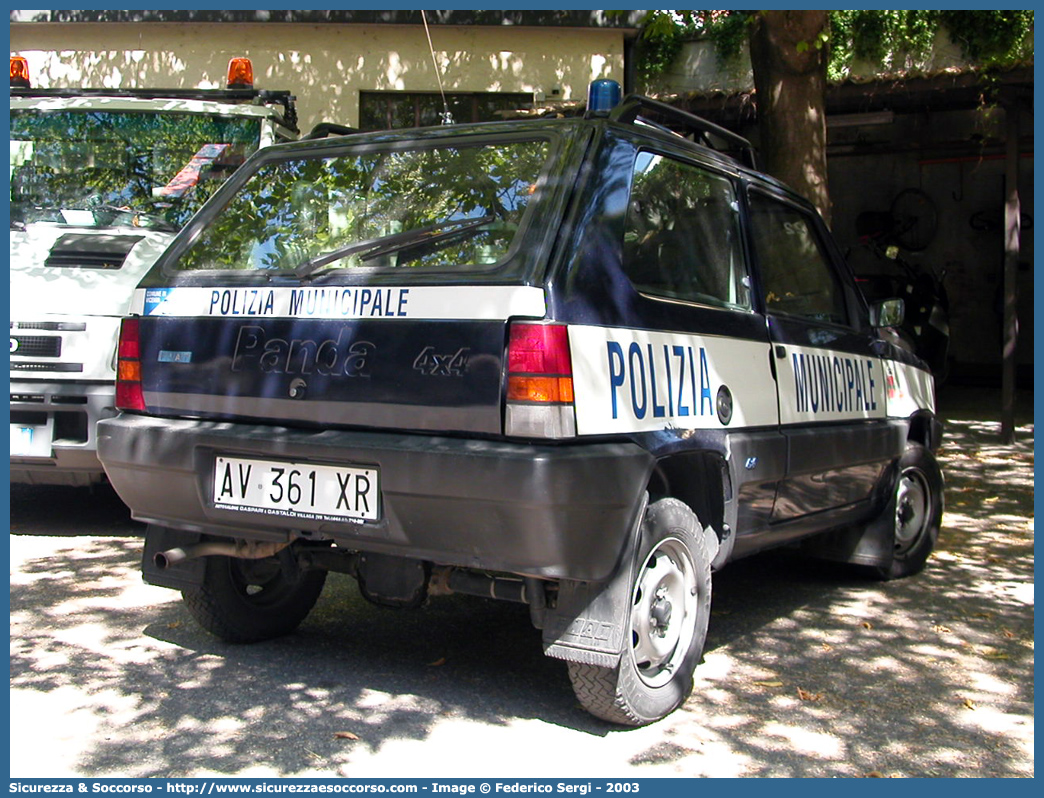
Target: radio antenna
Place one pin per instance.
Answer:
(446, 116)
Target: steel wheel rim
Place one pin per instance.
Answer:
(663, 612)
(913, 505)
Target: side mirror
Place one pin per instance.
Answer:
(887, 313)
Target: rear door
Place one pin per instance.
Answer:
(399, 357)
(830, 378)
(357, 282)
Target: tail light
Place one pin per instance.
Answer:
(240, 74)
(539, 382)
(129, 395)
(19, 72)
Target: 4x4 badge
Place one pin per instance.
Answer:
(433, 365)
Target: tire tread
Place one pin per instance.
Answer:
(213, 607)
(596, 690)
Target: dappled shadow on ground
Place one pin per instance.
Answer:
(353, 677)
(62, 510)
(810, 669)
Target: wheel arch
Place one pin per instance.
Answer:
(702, 481)
(925, 429)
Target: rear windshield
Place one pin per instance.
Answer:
(441, 208)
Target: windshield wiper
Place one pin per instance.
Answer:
(396, 242)
(154, 220)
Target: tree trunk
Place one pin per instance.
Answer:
(789, 56)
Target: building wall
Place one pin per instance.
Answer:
(324, 65)
(955, 157)
(942, 154)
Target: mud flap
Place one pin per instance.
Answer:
(589, 622)
(872, 544)
(180, 576)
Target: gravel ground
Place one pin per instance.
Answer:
(809, 669)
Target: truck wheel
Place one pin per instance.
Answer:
(918, 512)
(245, 601)
(667, 617)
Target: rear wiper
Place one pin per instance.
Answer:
(384, 245)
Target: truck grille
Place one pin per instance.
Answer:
(50, 326)
(37, 365)
(36, 345)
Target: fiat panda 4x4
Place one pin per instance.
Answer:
(577, 363)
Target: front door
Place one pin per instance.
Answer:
(830, 382)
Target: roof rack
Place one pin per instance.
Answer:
(324, 129)
(262, 96)
(630, 110)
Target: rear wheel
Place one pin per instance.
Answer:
(918, 508)
(245, 601)
(667, 618)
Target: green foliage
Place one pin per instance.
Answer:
(992, 38)
(894, 41)
(729, 30)
(660, 42)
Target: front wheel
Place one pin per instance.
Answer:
(918, 508)
(246, 601)
(667, 617)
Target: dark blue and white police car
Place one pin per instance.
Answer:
(577, 363)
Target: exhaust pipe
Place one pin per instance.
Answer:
(243, 549)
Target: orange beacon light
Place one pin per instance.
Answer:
(20, 72)
(240, 73)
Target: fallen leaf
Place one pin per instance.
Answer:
(436, 663)
(805, 695)
(346, 735)
(174, 625)
(991, 500)
(940, 628)
(827, 647)
(867, 625)
(873, 774)
(970, 704)
(1008, 633)
(769, 684)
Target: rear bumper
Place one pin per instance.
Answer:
(549, 511)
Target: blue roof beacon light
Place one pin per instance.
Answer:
(602, 96)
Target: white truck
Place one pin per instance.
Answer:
(101, 180)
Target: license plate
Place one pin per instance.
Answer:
(30, 441)
(297, 490)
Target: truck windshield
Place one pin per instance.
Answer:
(442, 207)
(94, 168)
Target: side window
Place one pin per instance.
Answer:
(681, 235)
(796, 275)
